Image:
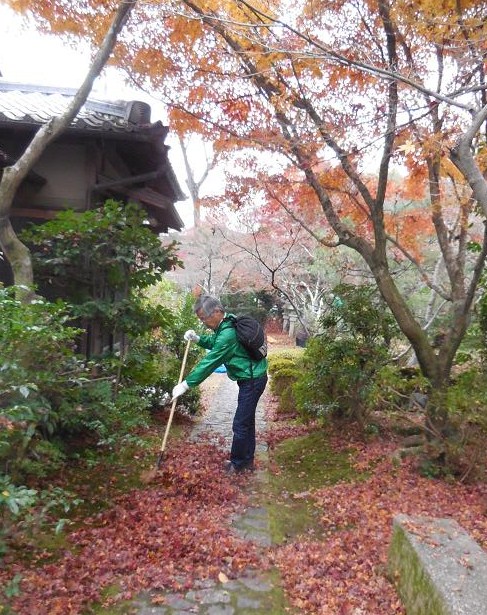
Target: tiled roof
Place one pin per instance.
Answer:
(29, 104)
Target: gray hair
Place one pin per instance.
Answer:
(206, 304)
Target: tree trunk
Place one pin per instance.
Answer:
(18, 256)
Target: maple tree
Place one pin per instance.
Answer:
(212, 264)
(289, 265)
(338, 93)
(193, 183)
(219, 260)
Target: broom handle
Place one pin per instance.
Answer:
(174, 401)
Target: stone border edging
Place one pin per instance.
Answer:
(437, 567)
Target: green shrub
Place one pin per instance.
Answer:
(393, 388)
(98, 258)
(102, 261)
(482, 309)
(151, 366)
(292, 354)
(466, 402)
(24, 511)
(341, 364)
(284, 369)
(14, 500)
(38, 369)
(47, 394)
(155, 368)
(338, 378)
(46, 457)
(154, 360)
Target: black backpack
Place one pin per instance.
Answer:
(251, 335)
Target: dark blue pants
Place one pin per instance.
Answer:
(243, 444)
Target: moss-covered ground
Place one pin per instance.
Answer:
(297, 466)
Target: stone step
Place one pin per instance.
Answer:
(437, 567)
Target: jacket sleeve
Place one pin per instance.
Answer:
(207, 341)
(222, 348)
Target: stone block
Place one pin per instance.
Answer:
(437, 567)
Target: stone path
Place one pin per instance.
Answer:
(219, 395)
(255, 593)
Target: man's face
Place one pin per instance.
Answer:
(212, 321)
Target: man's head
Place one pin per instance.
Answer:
(209, 310)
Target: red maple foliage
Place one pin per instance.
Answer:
(176, 531)
(163, 537)
(345, 572)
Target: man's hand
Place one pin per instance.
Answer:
(179, 389)
(192, 336)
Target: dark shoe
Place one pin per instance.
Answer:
(232, 469)
(248, 468)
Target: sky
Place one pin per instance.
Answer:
(27, 56)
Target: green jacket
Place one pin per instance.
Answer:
(225, 349)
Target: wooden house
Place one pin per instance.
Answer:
(111, 150)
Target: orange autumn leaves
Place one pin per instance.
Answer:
(234, 78)
(407, 217)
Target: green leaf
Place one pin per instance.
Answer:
(13, 506)
(24, 391)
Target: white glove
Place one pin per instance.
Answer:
(192, 336)
(179, 389)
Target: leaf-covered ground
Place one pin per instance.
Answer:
(166, 535)
(344, 572)
(176, 530)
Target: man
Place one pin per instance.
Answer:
(251, 376)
